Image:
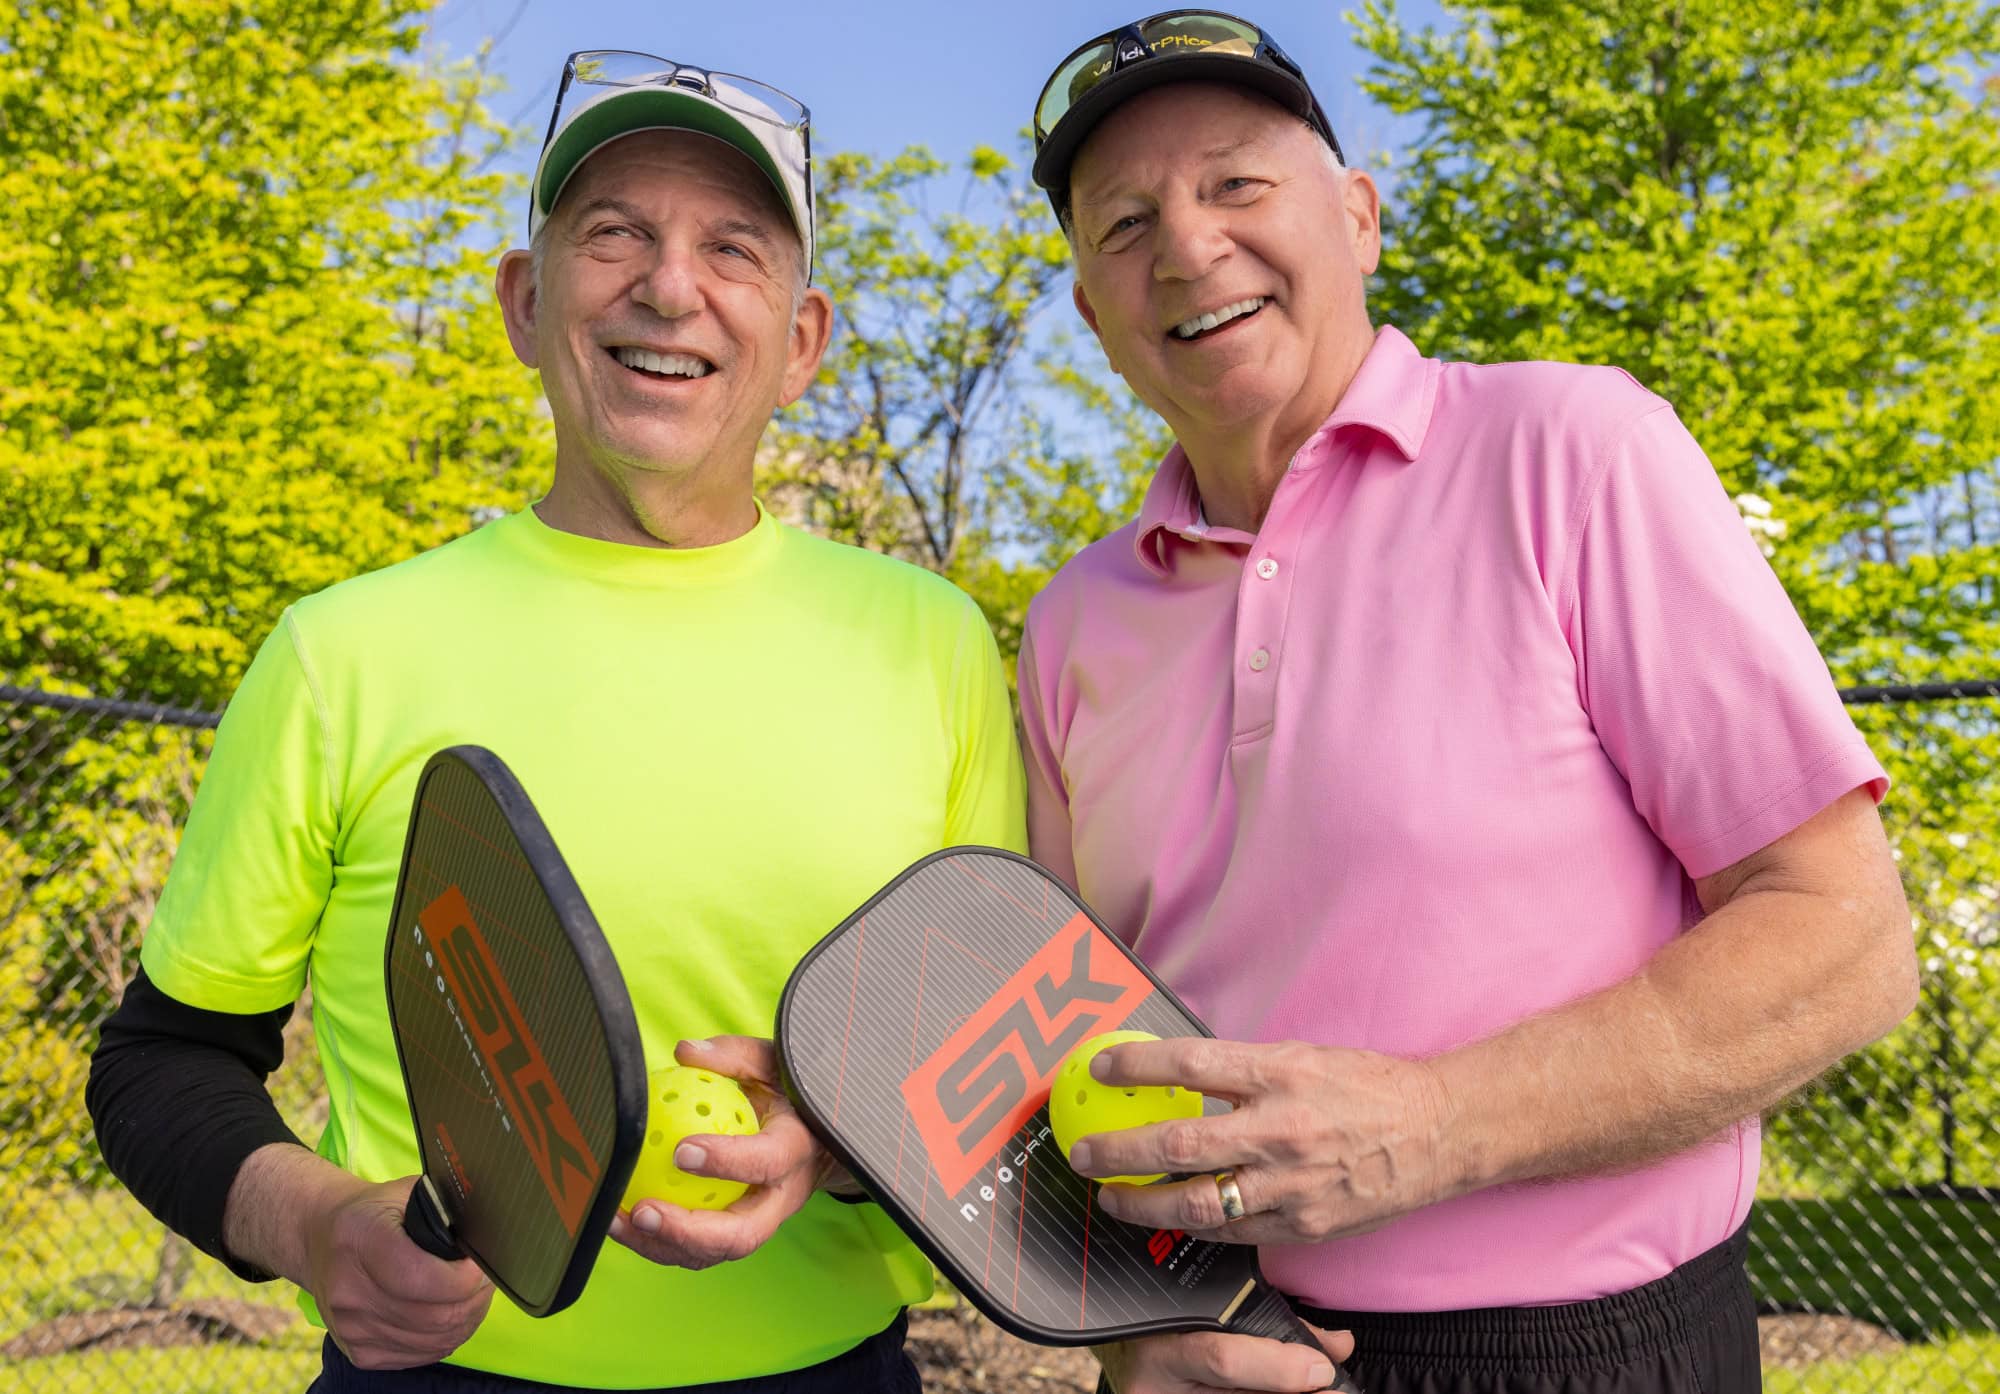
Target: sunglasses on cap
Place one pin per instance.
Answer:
(1179, 44)
(780, 139)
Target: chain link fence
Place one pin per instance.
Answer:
(1876, 1250)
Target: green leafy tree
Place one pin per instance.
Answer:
(247, 349)
(915, 407)
(1080, 468)
(246, 346)
(43, 1134)
(915, 438)
(956, 422)
(1786, 220)
(1783, 218)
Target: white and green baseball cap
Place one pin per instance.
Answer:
(623, 92)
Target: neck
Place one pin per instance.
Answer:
(1238, 464)
(645, 508)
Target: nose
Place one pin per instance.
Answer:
(1192, 239)
(668, 283)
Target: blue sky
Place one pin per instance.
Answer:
(881, 74)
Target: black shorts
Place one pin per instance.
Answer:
(876, 1366)
(1692, 1332)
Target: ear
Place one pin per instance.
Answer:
(812, 331)
(1362, 204)
(514, 288)
(1089, 315)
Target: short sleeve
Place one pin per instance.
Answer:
(1048, 800)
(985, 803)
(1701, 682)
(235, 923)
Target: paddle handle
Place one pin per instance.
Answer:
(1300, 1334)
(426, 1225)
(1268, 1314)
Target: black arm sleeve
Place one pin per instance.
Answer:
(177, 1095)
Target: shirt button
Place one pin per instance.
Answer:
(1260, 660)
(1267, 568)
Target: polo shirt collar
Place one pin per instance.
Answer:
(1393, 395)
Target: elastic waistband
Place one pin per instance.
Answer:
(1564, 1336)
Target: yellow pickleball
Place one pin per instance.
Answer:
(681, 1100)
(1080, 1106)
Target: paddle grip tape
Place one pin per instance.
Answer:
(425, 1223)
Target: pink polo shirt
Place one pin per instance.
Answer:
(1437, 749)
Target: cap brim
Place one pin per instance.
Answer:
(653, 109)
(1058, 152)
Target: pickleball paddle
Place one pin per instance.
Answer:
(920, 1039)
(520, 1053)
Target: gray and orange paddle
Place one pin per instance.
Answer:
(920, 1040)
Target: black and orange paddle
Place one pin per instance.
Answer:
(520, 1054)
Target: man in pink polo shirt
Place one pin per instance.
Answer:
(1438, 732)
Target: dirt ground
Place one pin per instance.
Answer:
(1794, 1341)
(200, 1322)
(959, 1351)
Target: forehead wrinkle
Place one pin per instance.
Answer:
(1108, 186)
(646, 156)
(1234, 147)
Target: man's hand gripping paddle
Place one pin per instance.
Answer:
(520, 1054)
(920, 1040)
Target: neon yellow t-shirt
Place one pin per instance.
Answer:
(733, 746)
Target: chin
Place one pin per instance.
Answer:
(1225, 402)
(653, 451)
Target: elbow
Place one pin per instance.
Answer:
(1908, 985)
(1896, 982)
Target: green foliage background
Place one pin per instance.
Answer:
(248, 349)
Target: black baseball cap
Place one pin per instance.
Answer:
(1177, 46)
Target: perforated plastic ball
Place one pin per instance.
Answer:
(1080, 1106)
(682, 1100)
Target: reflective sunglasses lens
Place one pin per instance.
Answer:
(1170, 34)
(1203, 33)
(1074, 78)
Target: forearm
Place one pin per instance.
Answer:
(278, 1192)
(1721, 1024)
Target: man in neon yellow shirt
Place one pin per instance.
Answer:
(735, 731)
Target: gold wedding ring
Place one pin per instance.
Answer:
(1232, 1198)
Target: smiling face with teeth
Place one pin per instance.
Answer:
(669, 322)
(1221, 258)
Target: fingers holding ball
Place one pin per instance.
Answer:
(1080, 1105)
(682, 1100)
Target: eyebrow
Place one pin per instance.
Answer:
(606, 203)
(744, 227)
(1094, 194)
(723, 227)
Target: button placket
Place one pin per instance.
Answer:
(1262, 599)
